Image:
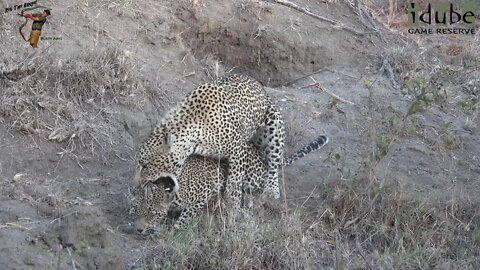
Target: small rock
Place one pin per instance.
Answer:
(18, 176)
(28, 261)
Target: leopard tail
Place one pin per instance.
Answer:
(307, 149)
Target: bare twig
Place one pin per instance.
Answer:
(309, 196)
(387, 68)
(119, 157)
(319, 71)
(352, 221)
(284, 188)
(338, 259)
(319, 86)
(73, 261)
(363, 13)
(360, 251)
(60, 249)
(14, 225)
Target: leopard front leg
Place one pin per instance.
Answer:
(188, 214)
(273, 141)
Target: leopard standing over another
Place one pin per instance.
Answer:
(201, 178)
(216, 120)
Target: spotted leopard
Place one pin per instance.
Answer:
(216, 120)
(200, 179)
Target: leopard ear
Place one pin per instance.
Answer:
(168, 183)
(155, 142)
(166, 145)
(169, 138)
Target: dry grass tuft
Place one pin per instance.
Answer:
(401, 230)
(70, 101)
(358, 225)
(255, 242)
(294, 133)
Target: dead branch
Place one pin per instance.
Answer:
(335, 24)
(365, 17)
(14, 225)
(319, 86)
(319, 71)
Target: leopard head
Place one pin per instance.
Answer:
(152, 203)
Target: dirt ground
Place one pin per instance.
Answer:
(65, 172)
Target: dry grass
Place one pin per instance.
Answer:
(295, 135)
(71, 101)
(358, 225)
(437, 75)
(401, 230)
(253, 243)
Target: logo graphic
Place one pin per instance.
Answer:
(38, 15)
(38, 20)
(442, 18)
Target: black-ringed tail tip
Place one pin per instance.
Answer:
(314, 145)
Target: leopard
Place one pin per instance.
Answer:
(216, 120)
(201, 179)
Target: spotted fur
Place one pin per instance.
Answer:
(216, 120)
(200, 179)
